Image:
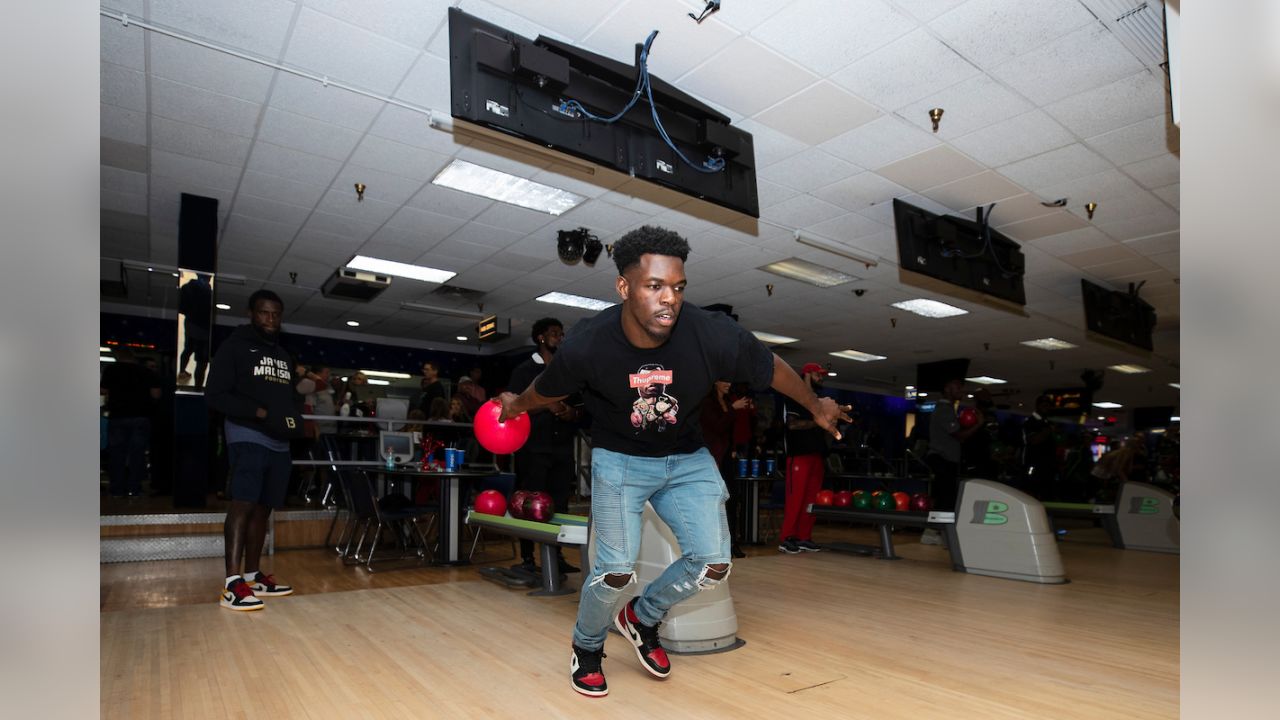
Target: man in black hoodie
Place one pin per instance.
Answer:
(252, 382)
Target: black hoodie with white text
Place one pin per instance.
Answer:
(252, 371)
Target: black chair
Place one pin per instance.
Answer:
(342, 496)
(777, 503)
(372, 518)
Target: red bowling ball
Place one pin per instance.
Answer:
(968, 417)
(901, 501)
(825, 497)
(921, 502)
(518, 499)
(500, 438)
(844, 498)
(491, 502)
(539, 507)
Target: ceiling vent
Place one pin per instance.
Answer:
(458, 293)
(1137, 24)
(357, 285)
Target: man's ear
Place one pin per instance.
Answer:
(623, 287)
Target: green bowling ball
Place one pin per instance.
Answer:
(885, 502)
(861, 500)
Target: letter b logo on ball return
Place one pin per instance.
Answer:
(1144, 505)
(989, 512)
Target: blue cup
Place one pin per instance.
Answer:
(450, 459)
(459, 456)
(768, 466)
(742, 467)
(755, 467)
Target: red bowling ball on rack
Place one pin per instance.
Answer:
(824, 498)
(844, 498)
(921, 502)
(491, 502)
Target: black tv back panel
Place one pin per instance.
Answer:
(518, 86)
(1121, 316)
(954, 250)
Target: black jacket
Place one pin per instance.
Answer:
(250, 372)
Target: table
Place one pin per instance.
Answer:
(450, 502)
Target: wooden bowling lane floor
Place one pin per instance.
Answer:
(828, 636)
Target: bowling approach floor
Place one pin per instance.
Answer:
(828, 635)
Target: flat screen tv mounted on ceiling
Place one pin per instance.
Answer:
(959, 251)
(1121, 316)
(558, 96)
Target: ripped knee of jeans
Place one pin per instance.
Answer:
(713, 575)
(615, 580)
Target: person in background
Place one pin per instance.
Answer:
(438, 411)
(131, 391)
(806, 468)
(946, 437)
(545, 463)
(471, 391)
(195, 305)
(252, 383)
(1115, 468)
(1040, 450)
(432, 388)
(457, 411)
(717, 420)
(975, 453)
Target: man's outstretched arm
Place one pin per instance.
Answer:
(827, 413)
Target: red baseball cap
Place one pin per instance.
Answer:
(813, 368)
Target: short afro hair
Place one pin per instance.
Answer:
(542, 326)
(264, 294)
(648, 240)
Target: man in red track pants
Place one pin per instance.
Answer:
(806, 467)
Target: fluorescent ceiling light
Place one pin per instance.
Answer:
(930, 308)
(386, 374)
(399, 269)
(986, 380)
(462, 337)
(807, 272)
(832, 374)
(577, 301)
(911, 387)
(857, 355)
(353, 323)
(1175, 418)
(836, 248)
(1176, 386)
(1107, 405)
(923, 394)
(106, 358)
(103, 348)
(500, 186)
(374, 381)
(1049, 344)
(223, 306)
(772, 339)
(1129, 369)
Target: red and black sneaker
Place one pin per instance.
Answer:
(266, 586)
(588, 678)
(645, 638)
(239, 596)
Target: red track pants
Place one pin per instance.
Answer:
(804, 479)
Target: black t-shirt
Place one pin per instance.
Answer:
(1042, 453)
(128, 387)
(548, 432)
(645, 401)
(808, 441)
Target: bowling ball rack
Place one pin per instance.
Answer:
(564, 530)
(885, 521)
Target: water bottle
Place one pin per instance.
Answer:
(391, 458)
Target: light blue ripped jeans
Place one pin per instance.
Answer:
(688, 494)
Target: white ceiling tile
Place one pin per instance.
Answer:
(808, 170)
(414, 128)
(208, 69)
(930, 168)
(380, 186)
(299, 167)
(1139, 141)
(264, 209)
(883, 212)
(451, 249)
(1043, 226)
(826, 36)
(771, 146)
(1155, 244)
(280, 190)
(485, 278)
(1068, 243)
(449, 202)
(249, 25)
(1055, 167)
(1155, 172)
(1014, 139)
(122, 86)
(486, 235)
(912, 67)
(847, 227)
(680, 46)
(123, 201)
(203, 107)
(1171, 194)
(122, 45)
(971, 105)
(1169, 261)
(369, 212)
(123, 181)
(1123, 102)
(187, 139)
(1100, 256)
(1116, 207)
(1091, 188)
(307, 134)
(398, 159)
(573, 19)
(516, 219)
(427, 84)
(117, 123)
(731, 78)
(195, 170)
(1163, 220)
(981, 189)
(884, 140)
(1121, 269)
(861, 191)
(504, 158)
(242, 229)
(416, 227)
(345, 53)
(818, 113)
(598, 184)
(502, 17)
(330, 104)
(409, 22)
(926, 10)
(800, 211)
(602, 217)
(1082, 60)
(989, 32)
(1019, 208)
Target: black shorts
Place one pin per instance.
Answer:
(258, 474)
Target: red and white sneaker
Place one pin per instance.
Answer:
(266, 586)
(645, 639)
(588, 678)
(239, 596)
